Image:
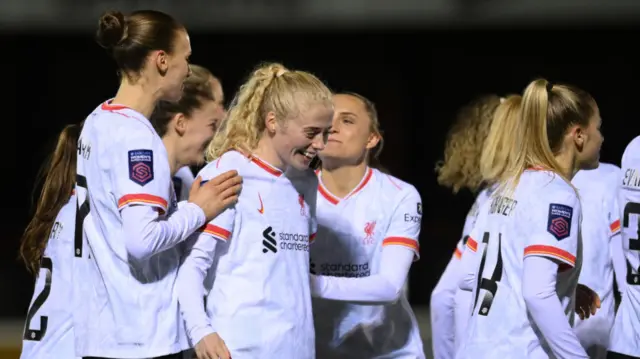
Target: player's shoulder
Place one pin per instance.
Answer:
(185, 174)
(550, 187)
(230, 160)
(631, 155)
(393, 187)
(121, 122)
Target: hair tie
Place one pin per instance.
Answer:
(549, 87)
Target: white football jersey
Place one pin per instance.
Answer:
(462, 298)
(127, 308)
(48, 332)
(626, 328)
(601, 222)
(260, 299)
(541, 217)
(182, 181)
(381, 211)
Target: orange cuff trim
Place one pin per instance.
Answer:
(472, 244)
(549, 251)
(312, 238)
(615, 226)
(216, 231)
(401, 241)
(458, 253)
(142, 198)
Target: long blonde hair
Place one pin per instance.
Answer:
(461, 164)
(529, 131)
(270, 88)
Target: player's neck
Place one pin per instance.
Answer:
(137, 97)
(567, 164)
(170, 145)
(267, 153)
(340, 181)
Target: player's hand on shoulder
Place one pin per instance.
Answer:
(216, 195)
(587, 301)
(212, 347)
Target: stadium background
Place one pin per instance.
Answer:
(418, 61)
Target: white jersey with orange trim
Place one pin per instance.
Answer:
(600, 227)
(450, 306)
(126, 308)
(182, 181)
(541, 217)
(260, 301)
(48, 331)
(381, 211)
(626, 327)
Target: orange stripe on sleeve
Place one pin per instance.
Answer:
(615, 226)
(216, 231)
(549, 251)
(458, 253)
(401, 241)
(472, 244)
(142, 198)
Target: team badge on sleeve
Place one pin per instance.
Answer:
(559, 222)
(141, 166)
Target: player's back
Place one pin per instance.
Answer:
(129, 308)
(626, 328)
(48, 331)
(352, 232)
(260, 302)
(598, 192)
(508, 229)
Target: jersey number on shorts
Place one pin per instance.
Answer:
(38, 334)
(633, 278)
(490, 285)
(81, 214)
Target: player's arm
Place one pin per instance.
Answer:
(399, 249)
(551, 246)
(199, 256)
(142, 188)
(442, 309)
(615, 244)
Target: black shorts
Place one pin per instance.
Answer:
(180, 355)
(614, 355)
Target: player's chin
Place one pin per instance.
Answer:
(301, 160)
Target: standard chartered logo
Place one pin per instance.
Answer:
(273, 242)
(349, 270)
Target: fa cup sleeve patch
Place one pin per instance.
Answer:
(559, 220)
(141, 166)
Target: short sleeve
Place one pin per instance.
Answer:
(141, 171)
(613, 214)
(406, 220)
(553, 226)
(220, 227)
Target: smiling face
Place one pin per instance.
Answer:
(352, 134)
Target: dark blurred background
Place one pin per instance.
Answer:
(419, 61)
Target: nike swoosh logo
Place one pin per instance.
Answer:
(261, 209)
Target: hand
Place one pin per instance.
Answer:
(587, 302)
(216, 195)
(212, 347)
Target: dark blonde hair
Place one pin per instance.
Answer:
(270, 88)
(130, 39)
(196, 89)
(532, 129)
(59, 174)
(465, 140)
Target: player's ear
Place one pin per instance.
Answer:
(270, 123)
(161, 60)
(179, 123)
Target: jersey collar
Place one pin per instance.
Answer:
(333, 199)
